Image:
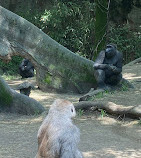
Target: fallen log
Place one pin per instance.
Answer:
(111, 108)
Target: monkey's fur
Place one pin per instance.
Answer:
(58, 136)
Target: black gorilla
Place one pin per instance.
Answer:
(26, 69)
(108, 67)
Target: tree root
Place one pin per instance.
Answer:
(11, 101)
(111, 108)
(94, 92)
(90, 94)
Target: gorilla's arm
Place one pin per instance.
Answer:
(117, 69)
(100, 58)
(98, 64)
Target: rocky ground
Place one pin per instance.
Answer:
(102, 136)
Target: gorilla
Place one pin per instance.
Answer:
(108, 67)
(26, 69)
(57, 136)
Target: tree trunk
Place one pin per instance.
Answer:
(11, 101)
(57, 67)
(111, 108)
(101, 16)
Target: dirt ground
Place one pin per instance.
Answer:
(101, 137)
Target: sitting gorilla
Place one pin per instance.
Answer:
(108, 67)
(26, 69)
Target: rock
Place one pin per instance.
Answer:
(25, 88)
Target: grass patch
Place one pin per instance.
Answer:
(10, 77)
(103, 113)
(80, 112)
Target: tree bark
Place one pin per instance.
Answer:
(111, 108)
(101, 15)
(11, 101)
(57, 67)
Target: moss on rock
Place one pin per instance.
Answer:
(48, 79)
(5, 97)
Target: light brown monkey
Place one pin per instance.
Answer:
(58, 136)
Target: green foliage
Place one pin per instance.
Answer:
(100, 25)
(99, 95)
(128, 42)
(70, 23)
(48, 79)
(6, 76)
(103, 113)
(125, 87)
(11, 67)
(33, 16)
(80, 112)
(5, 97)
(119, 10)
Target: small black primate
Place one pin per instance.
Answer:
(26, 69)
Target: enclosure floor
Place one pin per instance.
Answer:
(107, 137)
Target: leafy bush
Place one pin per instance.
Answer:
(119, 10)
(11, 68)
(70, 23)
(128, 42)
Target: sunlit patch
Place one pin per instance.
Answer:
(131, 76)
(128, 153)
(113, 152)
(88, 154)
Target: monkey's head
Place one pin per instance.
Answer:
(63, 107)
(110, 50)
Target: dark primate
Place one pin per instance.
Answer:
(26, 69)
(108, 67)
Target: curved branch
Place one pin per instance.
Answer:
(11, 101)
(111, 108)
(57, 67)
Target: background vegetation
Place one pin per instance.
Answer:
(71, 23)
(10, 68)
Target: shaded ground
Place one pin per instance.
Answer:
(107, 137)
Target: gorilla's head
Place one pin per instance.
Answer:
(110, 50)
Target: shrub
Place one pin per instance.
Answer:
(128, 42)
(11, 68)
(70, 23)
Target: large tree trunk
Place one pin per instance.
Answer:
(11, 101)
(57, 67)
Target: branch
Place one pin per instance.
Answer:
(11, 101)
(57, 68)
(111, 108)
